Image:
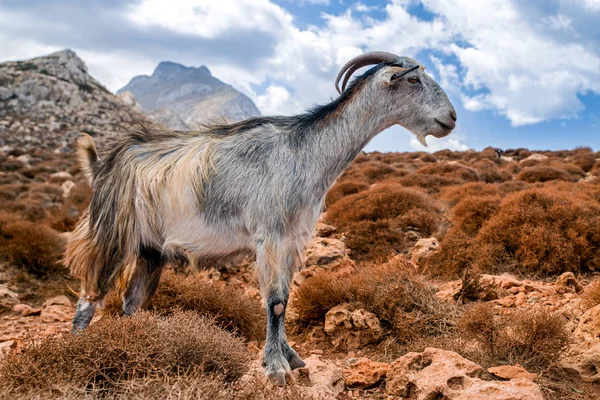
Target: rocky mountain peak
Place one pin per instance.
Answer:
(46, 102)
(179, 96)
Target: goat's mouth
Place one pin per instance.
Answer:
(447, 126)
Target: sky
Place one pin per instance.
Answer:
(521, 73)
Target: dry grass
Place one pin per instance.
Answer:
(533, 338)
(34, 248)
(117, 350)
(404, 304)
(230, 308)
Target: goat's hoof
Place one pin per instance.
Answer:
(296, 362)
(281, 377)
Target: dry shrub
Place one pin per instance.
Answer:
(541, 231)
(591, 295)
(66, 216)
(472, 212)
(12, 191)
(585, 161)
(452, 195)
(118, 349)
(473, 289)
(457, 171)
(343, 189)
(29, 210)
(512, 186)
(537, 231)
(34, 248)
(431, 183)
(374, 219)
(489, 172)
(534, 338)
(230, 307)
(543, 174)
(405, 305)
(11, 165)
(428, 158)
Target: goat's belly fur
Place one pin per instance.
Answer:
(200, 239)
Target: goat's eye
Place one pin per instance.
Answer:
(413, 79)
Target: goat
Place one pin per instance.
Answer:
(255, 186)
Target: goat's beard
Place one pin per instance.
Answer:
(421, 139)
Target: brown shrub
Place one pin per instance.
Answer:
(428, 158)
(533, 338)
(34, 248)
(11, 165)
(512, 186)
(457, 254)
(230, 308)
(457, 171)
(343, 189)
(404, 304)
(488, 171)
(11, 192)
(591, 295)
(452, 195)
(30, 210)
(431, 183)
(543, 174)
(471, 212)
(117, 349)
(585, 161)
(374, 219)
(541, 231)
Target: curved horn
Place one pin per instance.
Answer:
(373, 57)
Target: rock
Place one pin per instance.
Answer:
(8, 298)
(437, 374)
(324, 230)
(567, 283)
(128, 98)
(449, 291)
(61, 176)
(7, 346)
(365, 374)
(66, 187)
(588, 329)
(57, 309)
(512, 372)
(508, 159)
(26, 310)
(423, 249)
(584, 360)
(536, 157)
(322, 380)
(352, 329)
(584, 355)
(325, 254)
(508, 301)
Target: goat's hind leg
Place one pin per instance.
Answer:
(144, 280)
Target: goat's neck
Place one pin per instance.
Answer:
(345, 133)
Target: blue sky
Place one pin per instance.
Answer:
(520, 73)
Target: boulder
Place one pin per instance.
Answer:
(584, 355)
(423, 249)
(324, 230)
(322, 380)
(437, 374)
(536, 157)
(26, 310)
(352, 329)
(66, 187)
(8, 298)
(567, 283)
(325, 254)
(365, 374)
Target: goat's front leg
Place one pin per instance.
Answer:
(276, 269)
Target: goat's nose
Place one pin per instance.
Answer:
(453, 115)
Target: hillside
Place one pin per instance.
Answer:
(179, 97)
(46, 102)
(449, 275)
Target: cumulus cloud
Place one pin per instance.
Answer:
(517, 60)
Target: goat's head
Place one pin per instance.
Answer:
(404, 92)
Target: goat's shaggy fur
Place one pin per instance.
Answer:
(256, 186)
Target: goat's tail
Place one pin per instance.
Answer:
(87, 155)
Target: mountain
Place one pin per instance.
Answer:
(179, 96)
(46, 102)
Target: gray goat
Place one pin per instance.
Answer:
(256, 186)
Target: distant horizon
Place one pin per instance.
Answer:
(520, 75)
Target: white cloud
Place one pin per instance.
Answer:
(452, 142)
(490, 54)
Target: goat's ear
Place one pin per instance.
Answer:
(392, 74)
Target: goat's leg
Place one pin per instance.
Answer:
(86, 308)
(144, 280)
(275, 275)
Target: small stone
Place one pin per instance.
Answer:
(26, 310)
(567, 283)
(424, 249)
(507, 301)
(511, 372)
(365, 373)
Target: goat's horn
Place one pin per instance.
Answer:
(374, 57)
